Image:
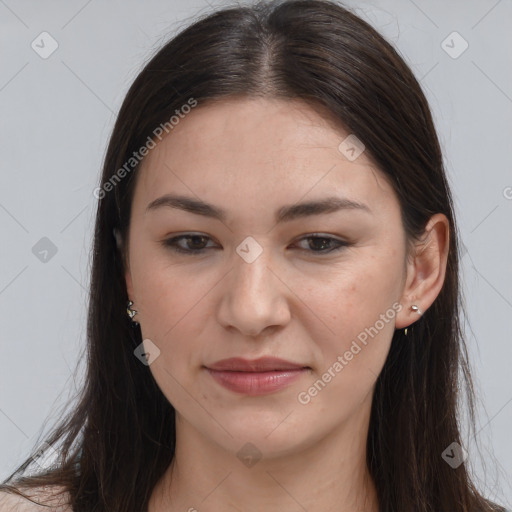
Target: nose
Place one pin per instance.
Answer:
(254, 297)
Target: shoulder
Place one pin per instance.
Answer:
(54, 498)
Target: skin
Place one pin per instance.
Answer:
(251, 157)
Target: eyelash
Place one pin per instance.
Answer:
(171, 243)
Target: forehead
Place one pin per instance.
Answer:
(260, 149)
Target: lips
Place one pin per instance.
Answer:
(263, 364)
(255, 377)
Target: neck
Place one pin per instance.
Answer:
(329, 474)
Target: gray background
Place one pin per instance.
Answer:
(57, 114)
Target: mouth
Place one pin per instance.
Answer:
(255, 377)
(262, 364)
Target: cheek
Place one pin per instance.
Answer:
(355, 309)
(162, 290)
(174, 308)
(358, 309)
(173, 313)
(170, 302)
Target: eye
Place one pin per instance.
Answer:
(324, 244)
(194, 244)
(194, 248)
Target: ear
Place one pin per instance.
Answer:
(426, 270)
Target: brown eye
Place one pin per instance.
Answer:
(324, 244)
(194, 243)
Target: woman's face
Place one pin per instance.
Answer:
(257, 286)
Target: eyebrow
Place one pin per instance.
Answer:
(286, 213)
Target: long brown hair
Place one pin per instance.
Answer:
(119, 438)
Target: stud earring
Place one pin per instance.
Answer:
(131, 312)
(418, 310)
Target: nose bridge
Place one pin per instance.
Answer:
(252, 300)
(253, 278)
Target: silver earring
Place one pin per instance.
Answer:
(131, 312)
(418, 310)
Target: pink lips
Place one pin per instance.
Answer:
(256, 377)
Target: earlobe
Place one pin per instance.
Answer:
(427, 271)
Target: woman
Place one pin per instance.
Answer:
(274, 305)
